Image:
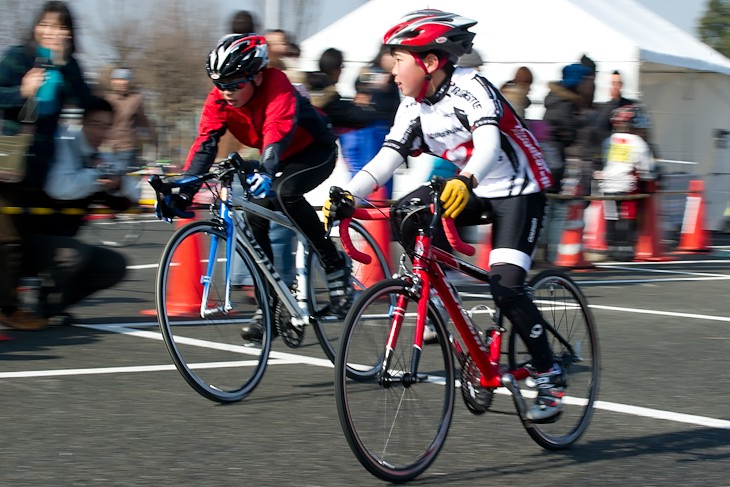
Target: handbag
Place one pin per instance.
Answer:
(14, 148)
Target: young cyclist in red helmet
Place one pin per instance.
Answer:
(261, 108)
(457, 114)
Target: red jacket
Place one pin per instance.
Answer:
(277, 121)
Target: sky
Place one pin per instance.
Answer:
(682, 13)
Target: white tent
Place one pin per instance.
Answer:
(684, 83)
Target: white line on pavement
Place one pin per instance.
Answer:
(665, 415)
(280, 358)
(662, 313)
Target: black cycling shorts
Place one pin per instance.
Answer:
(517, 221)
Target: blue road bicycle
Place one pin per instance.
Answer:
(201, 308)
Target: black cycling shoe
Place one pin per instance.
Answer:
(339, 283)
(253, 331)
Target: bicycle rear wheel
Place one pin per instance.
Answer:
(395, 425)
(564, 307)
(206, 346)
(329, 328)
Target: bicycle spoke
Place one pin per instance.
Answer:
(574, 344)
(395, 425)
(209, 351)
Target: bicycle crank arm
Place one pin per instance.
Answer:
(509, 381)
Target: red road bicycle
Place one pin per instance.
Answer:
(395, 395)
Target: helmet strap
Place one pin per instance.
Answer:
(427, 78)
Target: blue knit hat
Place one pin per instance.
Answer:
(573, 74)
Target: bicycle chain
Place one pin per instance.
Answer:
(292, 335)
(477, 398)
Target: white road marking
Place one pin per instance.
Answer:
(281, 358)
(661, 313)
(665, 415)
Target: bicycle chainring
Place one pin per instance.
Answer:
(292, 335)
(477, 398)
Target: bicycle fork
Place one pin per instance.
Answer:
(207, 278)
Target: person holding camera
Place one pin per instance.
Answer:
(37, 78)
(71, 270)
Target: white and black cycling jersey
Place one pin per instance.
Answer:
(444, 125)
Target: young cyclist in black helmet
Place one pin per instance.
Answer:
(261, 108)
(457, 114)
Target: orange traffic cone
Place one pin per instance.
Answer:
(694, 236)
(570, 250)
(185, 290)
(380, 230)
(485, 247)
(649, 241)
(594, 237)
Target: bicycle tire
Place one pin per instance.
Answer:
(564, 306)
(207, 350)
(328, 328)
(395, 430)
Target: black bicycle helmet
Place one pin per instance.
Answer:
(237, 56)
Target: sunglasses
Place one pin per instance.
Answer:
(233, 85)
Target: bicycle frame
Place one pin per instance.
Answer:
(426, 274)
(237, 230)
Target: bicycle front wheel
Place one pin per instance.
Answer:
(202, 334)
(329, 328)
(574, 341)
(395, 423)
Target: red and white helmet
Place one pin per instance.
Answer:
(432, 30)
(237, 55)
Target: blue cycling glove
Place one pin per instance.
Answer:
(259, 184)
(174, 205)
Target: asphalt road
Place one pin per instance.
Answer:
(99, 404)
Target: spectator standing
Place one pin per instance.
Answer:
(129, 119)
(243, 22)
(584, 151)
(516, 90)
(630, 168)
(278, 42)
(375, 85)
(37, 78)
(602, 128)
(344, 114)
(284, 55)
(563, 116)
(70, 269)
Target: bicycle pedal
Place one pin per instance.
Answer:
(325, 311)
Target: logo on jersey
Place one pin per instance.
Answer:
(461, 152)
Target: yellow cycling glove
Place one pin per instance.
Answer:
(455, 196)
(342, 209)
